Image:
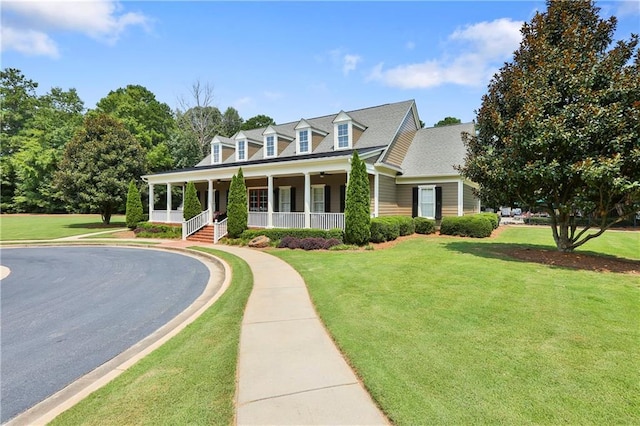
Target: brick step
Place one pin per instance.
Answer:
(204, 235)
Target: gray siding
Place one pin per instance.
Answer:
(387, 204)
(400, 145)
(449, 198)
(470, 200)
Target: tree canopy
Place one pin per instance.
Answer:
(257, 122)
(559, 129)
(231, 122)
(98, 164)
(447, 121)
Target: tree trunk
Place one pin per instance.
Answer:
(561, 224)
(106, 215)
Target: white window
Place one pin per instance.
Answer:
(284, 195)
(270, 146)
(317, 199)
(241, 150)
(303, 141)
(343, 135)
(427, 201)
(215, 152)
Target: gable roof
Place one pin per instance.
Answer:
(436, 150)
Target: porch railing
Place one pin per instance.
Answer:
(258, 219)
(175, 216)
(219, 229)
(327, 220)
(195, 224)
(288, 220)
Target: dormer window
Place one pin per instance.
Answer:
(343, 136)
(346, 131)
(241, 150)
(303, 141)
(215, 153)
(270, 146)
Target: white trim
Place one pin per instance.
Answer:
(417, 123)
(281, 190)
(275, 145)
(213, 146)
(244, 141)
(433, 189)
(376, 194)
(309, 141)
(426, 180)
(336, 136)
(270, 201)
(151, 200)
(317, 186)
(307, 200)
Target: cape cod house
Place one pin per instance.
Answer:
(296, 173)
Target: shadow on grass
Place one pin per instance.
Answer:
(96, 225)
(546, 255)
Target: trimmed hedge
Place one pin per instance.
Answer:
(280, 233)
(383, 229)
(157, 230)
(309, 243)
(475, 226)
(424, 226)
(493, 217)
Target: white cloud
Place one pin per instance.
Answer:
(350, 62)
(410, 45)
(102, 20)
(245, 101)
(485, 45)
(272, 96)
(28, 42)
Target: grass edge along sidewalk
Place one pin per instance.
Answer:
(15, 227)
(446, 335)
(188, 380)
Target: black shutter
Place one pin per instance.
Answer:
(438, 202)
(276, 200)
(343, 193)
(414, 203)
(216, 198)
(327, 199)
(293, 199)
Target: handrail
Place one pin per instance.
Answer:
(195, 224)
(219, 229)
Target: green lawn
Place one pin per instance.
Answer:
(444, 331)
(188, 380)
(46, 227)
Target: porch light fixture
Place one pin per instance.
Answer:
(321, 175)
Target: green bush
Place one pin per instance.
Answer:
(357, 211)
(134, 212)
(279, 233)
(157, 230)
(466, 226)
(493, 217)
(384, 229)
(424, 225)
(405, 224)
(237, 213)
(192, 206)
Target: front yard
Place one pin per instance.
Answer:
(451, 331)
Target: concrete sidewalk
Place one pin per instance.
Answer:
(290, 371)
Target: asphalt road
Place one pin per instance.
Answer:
(67, 310)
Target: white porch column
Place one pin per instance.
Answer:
(307, 200)
(168, 203)
(151, 197)
(376, 193)
(270, 201)
(210, 200)
(460, 198)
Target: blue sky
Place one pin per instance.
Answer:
(288, 60)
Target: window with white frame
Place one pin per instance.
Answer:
(241, 150)
(427, 201)
(343, 135)
(284, 202)
(303, 141)
(215, 153)
(317, 199)
(270, 146)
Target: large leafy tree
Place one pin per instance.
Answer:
(559, 129)
(150, 121)
(231, 122)
(357, 210)
(237, 208)
(97, 165)
(447, 121)
(257, 122)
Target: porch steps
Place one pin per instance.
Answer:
(204, 235)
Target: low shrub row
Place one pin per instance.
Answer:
(493, 217)
(157, 230)
(309, 243)
(424, 225)
(476, 226)
(279, 233)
